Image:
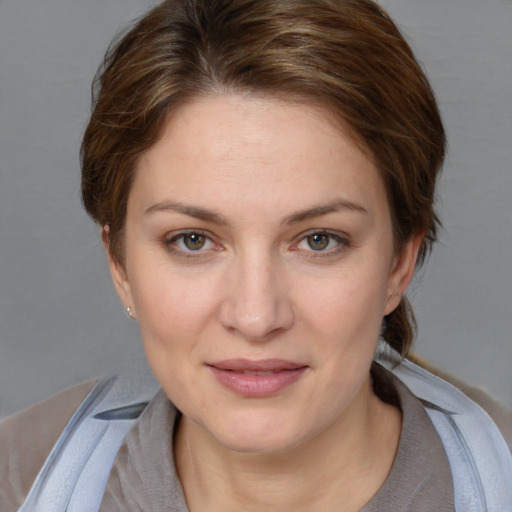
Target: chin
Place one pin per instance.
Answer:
(259, 435)
(269, 445)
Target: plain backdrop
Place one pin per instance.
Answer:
(60, 320)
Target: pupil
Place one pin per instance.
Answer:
(194, 241)
(318, 242)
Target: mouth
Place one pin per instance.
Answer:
(257, 378)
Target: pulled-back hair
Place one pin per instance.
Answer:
(346, 55)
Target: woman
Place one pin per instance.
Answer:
(263, 173)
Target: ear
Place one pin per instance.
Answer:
(118, 273)
(402, 273)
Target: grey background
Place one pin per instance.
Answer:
(60, 321)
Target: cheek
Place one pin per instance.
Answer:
(172, 309)
(173, 314)
(347, 301)
(175, 307)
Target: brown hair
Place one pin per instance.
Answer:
(346, 55)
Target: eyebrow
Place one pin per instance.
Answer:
(323, 209)
(192, 211)
(298, 216)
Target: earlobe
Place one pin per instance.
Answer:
(402, 273)
(117, 272)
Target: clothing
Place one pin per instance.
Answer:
(420, 478)
(26, 439)
(142, 477)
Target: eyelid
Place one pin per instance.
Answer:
(342, 239)
(169, 239)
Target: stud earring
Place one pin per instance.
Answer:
(130, 313)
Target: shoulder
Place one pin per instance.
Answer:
(501, 415)
(26, 439)
(479, 457)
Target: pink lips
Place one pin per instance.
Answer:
(257, 378)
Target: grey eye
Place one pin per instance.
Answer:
(318, 241)
(194, 241)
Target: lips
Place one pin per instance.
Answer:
(257, 378)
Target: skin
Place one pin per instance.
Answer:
(253, 178)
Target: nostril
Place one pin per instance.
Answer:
(252, 302)
(257, 322)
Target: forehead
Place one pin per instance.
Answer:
(253, 150)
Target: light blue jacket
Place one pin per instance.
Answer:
(74, 477)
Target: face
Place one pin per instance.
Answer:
(259, 263)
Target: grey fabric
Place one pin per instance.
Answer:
(420, 479)
(26, 439)
(144, 477)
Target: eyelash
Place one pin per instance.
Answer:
(342, 242)
(170, 244)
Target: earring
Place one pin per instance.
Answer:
(130, 313)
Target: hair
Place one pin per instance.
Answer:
(346, 55)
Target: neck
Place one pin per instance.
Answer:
(342, 466)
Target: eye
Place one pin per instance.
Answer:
(318, 241)
(192, 241)
(322, 242)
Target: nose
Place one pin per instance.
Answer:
(256, 303)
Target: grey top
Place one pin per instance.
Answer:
(143, 477)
